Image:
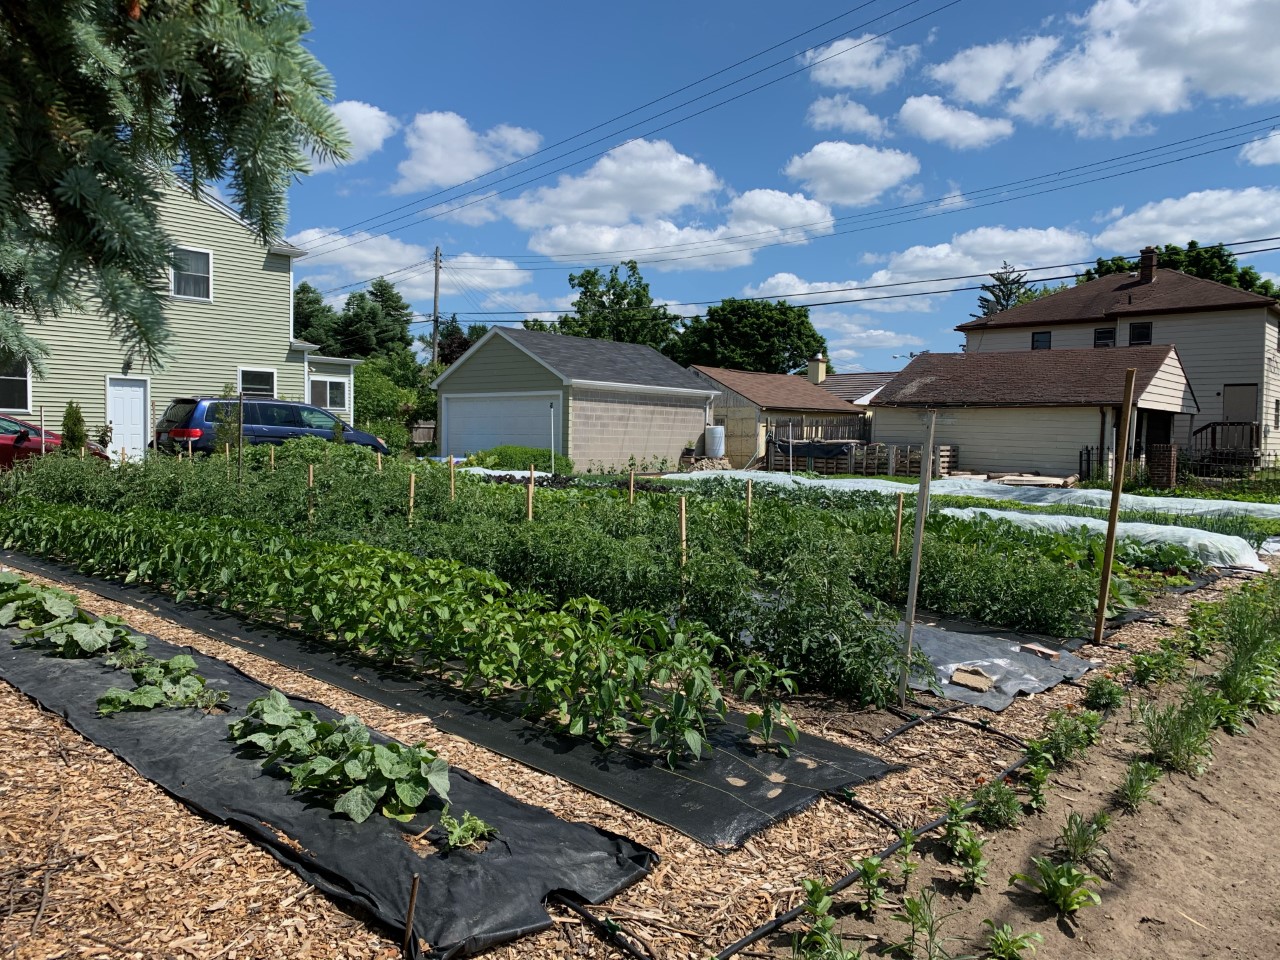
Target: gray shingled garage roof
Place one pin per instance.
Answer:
(581, 360)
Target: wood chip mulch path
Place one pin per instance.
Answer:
(96, 861)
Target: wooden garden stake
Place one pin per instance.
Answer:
(413, 905)
(631, 488)
(311, 499)
(82, 454)
(379, 461)
(749, 482)
(413, 483)
(188, 448)
(529, 496)
(227, 451)
(271, 455)
(42, 429)
(684, 533)
(897, 530)
(1117, 485)
(913, 585)
(452, 489)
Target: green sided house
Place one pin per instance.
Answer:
(599, 402)
(230, 317)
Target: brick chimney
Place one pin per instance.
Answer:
(1147, 265)
(817, 369)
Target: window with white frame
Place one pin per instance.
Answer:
(257, 383)
(15, 385)
(192, 274)
(327, 393)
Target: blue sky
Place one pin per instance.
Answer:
(876, 151)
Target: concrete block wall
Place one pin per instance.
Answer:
(607, 429)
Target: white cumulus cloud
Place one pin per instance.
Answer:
(852, 174)
(1261, 153)
(1208, 216)
(367, 126)
(645, 178)
(840, 113)
(931, 119)
(444, 151)
(860, 63)
(978, 74)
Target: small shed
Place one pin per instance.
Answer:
(1034, 410)
(750, 405)
(602, 403)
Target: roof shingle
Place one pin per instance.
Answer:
(855, 386)
(777, 391)
(1022, 378)
(1119, 295)
(580, 358)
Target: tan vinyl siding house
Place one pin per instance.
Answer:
(1031, 410)
(603, 404)
(1228, 340)
(230, 320)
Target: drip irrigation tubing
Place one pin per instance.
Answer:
(604, 929)
(846, 797)
(914, 720)
(847, 880)
(980, 725)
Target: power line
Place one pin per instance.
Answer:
(333, 245)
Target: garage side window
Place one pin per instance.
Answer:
(1041, 341)
(15, 386)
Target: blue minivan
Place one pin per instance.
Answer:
(192, 422)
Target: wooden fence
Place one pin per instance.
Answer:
(860, 459)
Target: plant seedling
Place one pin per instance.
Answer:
(1034, 778)
(909, 866)
(1136, 786)
(820, 941)
(1064, 885)
(967, 849)
(924, 929)
(160, 683)
(1081, 842)
(1177, 735)
(873, 877)
(996, 806)
(1004, 944)
(1103, 693)
(467, 832)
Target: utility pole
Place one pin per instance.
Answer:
(435, 315)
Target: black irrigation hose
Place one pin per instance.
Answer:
(847, 797)
(847, 880)
(914, 720)
(604, 929)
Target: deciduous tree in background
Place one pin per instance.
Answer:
(1215, 263)
(615, 308)
(100, 101)
(757, 335)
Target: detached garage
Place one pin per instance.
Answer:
(601, 403)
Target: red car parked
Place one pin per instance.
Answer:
(20, 441)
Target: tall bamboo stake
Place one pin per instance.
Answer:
(913, 585)
(271, 455)
(749, 482)
(631, 488)
(452, 488)
(1117, 486)
(379, 461)
(311, 497)
(413, 481)
(240, 444)
(684, 533)
(529, 496)
(897, 530)
(408, 920)
(42, 429)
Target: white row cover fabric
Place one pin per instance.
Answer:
(787, 480)
(1214, 549)
(1050, 496)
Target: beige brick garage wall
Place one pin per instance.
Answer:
(607, 428)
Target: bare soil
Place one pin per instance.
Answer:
(97, 862)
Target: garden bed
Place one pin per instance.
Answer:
(693, 904)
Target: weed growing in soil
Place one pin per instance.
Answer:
(467, 832)
(1080, 842)
(1177, 735)
(1004, 944)
(1136, 786)
(1064, 885)
(873, 877)
(924, 937)
(820, 941)
(996, 806)
(1103, 693)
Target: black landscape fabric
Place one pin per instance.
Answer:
(999, 655)
(467, 901)
(719, 801)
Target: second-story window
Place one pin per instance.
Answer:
(1139, 334)
(1104, 337)
(1041, 341)
(192, 274)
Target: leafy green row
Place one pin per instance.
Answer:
(579, 667)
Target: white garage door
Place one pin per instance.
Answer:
(478, 423)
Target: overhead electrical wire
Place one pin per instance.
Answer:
(334, 245)
(928, 208)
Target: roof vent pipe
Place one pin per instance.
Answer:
(1147, 265)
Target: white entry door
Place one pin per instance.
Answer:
(127, 414)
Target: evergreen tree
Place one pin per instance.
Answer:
(75, 434)
(314, 320)
(754, 335)
(100, 100)
(397, 315)
(1007, 289)
(360, 326)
